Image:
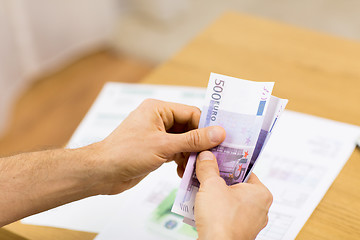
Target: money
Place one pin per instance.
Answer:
(273, 113)
(241, 108)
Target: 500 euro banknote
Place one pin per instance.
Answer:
(240, 107)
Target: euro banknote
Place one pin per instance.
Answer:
(240, 107)
(273, 113)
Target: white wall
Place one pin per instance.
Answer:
(41, 35)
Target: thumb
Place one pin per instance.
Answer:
(206, 166)
(198, 140)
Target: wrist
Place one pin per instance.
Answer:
(92, 176)
(79, 170)
(101, 170)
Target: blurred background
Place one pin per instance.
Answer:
(56, 55)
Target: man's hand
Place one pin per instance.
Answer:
(228, 212)
(155, 133)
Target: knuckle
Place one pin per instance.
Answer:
(199, 168)
(269, 197)
(266, 221)
(149, 102)
(193, 138)
(197, 110)
(202, 166)
(196, 116)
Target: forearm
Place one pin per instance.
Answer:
(35, 182)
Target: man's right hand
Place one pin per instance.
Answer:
(228, 212)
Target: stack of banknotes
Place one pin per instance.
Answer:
(248, 112)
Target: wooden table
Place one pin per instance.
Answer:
(319, 74)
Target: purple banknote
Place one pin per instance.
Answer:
(240, 107)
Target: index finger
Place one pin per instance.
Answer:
(253, 179)
(171, 113)
(176, 113)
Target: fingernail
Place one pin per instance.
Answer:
(206, 155)
(216, 134)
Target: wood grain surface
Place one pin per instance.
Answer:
(319, 74)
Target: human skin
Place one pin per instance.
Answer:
(155, 133)
(239, 211)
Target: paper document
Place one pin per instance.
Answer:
(114, 103)
(148, 216)
(299, 163)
